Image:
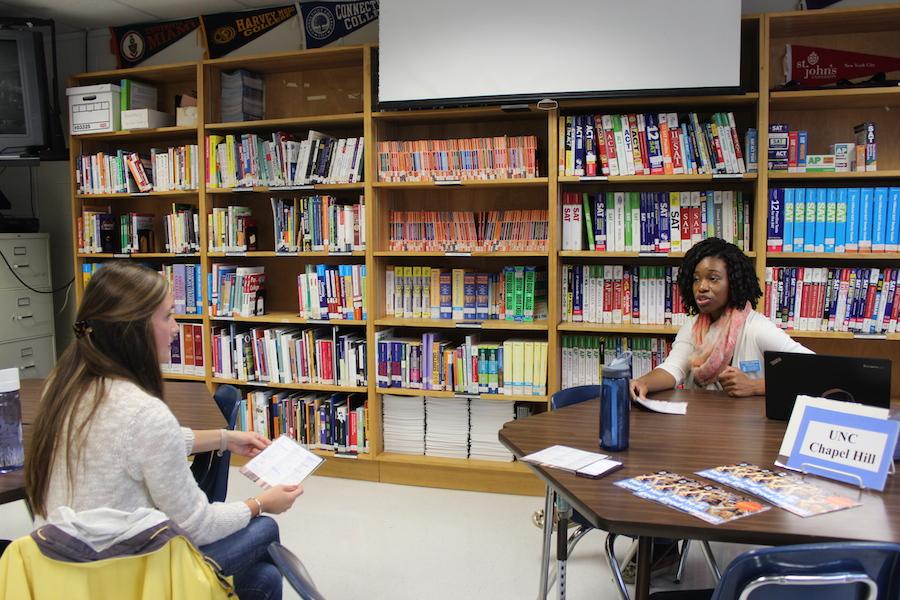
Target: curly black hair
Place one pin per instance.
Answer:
(743, 285)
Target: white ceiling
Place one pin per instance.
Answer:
(76, 15)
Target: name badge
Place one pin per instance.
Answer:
(847, 447)
(750, 366)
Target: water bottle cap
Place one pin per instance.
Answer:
(9, 380)
(619, 367)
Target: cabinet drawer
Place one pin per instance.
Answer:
(25, 314)
(34, 358)
(29, 258)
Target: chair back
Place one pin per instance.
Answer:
(574, 395)
(211, 470)
(832, 571)
(294, 571)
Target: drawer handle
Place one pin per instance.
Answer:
(26, 352)
(26, 301)
(19, 251)
(22, 317)
(31, 366)
(20, 266)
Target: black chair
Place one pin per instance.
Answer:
(294, 571)
(211, 470)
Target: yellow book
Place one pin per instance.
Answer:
(228, 179)
(389, 291)
(407, 292)
(561, 151)
(539, 384)
(426, 293)
(518, 367)
(416, 292)
(527, 368)
(435, 290)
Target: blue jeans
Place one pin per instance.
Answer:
(244, 555)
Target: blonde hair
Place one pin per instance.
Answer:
(114, 340)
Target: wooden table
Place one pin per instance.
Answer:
(717, 430)
(189, 401)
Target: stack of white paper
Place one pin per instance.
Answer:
(243, 96)
(447, 431)
(487, 418)
(404, 424)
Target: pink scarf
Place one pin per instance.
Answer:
(712, 354)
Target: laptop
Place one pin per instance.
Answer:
(852, 379)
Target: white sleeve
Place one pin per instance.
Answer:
(678, 363)
(769, 337)
(188, 440)
(155, 448)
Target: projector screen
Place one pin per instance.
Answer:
(446, 50)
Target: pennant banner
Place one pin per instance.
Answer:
(816, 4)
(325, 22)
(133, 44)
(810, 66)
(228, 31)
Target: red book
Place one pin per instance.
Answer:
(607, 301)
(610, 138)
(198, 350)
(677, 155)
(793, 150)
(717, 146)
(353, 429)
(600, 142)
(696, 223)
(871, 290)
(767, 297)
(626, 296)
(895, 311)
(686, 211)
(617, 295)
(666, 142)
(642, 144)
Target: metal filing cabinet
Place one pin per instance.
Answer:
(26, 317)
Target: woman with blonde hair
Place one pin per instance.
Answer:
(104, 436)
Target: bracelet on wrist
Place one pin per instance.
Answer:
(223, 442)
(259, 506)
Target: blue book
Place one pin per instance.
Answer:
(892, 239)
(654, 145)
(787, 233)
(775, 233)
(809, 233)
(866, 205)
(879, 219)
(799, 218)
(599, 223)
(821, 218)
(830, 217)
(840, 221)
(852, 237)
(362, 277)
(662, 222)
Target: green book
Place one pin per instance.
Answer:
(628, 236)
(587, 217)
(509, 286)
(520, 293)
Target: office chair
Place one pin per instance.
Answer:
(561, 399)
(831, 571)
(211, 470)
(294, 571)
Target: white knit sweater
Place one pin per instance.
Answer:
(135, 457)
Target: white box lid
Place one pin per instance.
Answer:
(100, 88)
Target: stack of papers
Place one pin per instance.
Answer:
(284, 462)
(243, 96)
(580, 462)
(404, 424)
(447, 433)
(488, 418)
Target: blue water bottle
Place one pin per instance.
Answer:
(615, 404)
(12, 453)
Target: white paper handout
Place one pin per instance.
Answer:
(284, 462)
(563, 457)
(663, 406)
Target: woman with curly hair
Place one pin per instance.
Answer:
(721, 347)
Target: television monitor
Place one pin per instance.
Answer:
(23, 92)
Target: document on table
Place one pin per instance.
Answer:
(284, 462)
(663, 406)
(580, 462)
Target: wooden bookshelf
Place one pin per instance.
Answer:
(345, 77)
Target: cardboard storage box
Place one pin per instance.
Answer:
(93, 108)
(145, 118)
(186, 116)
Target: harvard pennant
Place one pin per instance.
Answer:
(228, 31)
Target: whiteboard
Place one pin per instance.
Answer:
(446, 49)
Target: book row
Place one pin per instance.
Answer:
(788, 151)
(651, 144)
(185, 283)
(333, 422)
(657, 222)
(277, 355)
(100, 231)
(332, 292)
(250, 160)
(864, 301)
(236, 291)
(517, 293)
(835, 220)
(468, 231)
(167, 169)
(186, 352)
(583, 356)
(616, 294)
(513, 367)
(319, 223)
(501, 157)
(448, 427)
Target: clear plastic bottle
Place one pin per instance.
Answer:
(12, 453)
(615, 404)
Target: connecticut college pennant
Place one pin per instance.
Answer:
(134, 44)
(325, 22)
(228, 31)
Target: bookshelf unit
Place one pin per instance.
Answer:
(332, 90)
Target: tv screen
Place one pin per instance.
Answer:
(23, 92)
